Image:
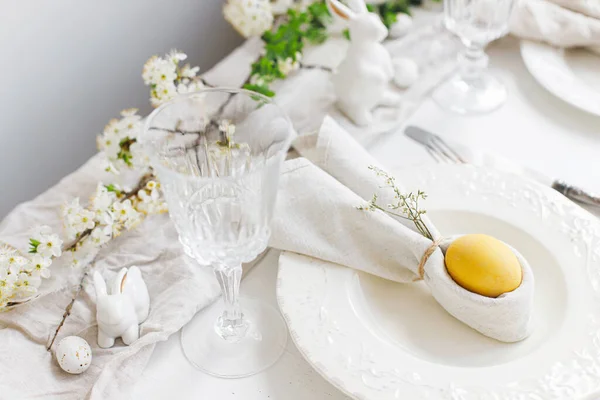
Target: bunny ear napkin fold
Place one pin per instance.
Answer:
(316, 215)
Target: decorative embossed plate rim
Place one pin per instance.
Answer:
(336, 343)
(548, 66)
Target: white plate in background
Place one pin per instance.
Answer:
(572, 75)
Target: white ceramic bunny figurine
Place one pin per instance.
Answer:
(120, 312)
(361, 81)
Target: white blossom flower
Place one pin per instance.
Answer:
(182, 88)
(129, 117)
(227, 127)
(175, 56)
(190, 87)
(84, 254)
(149, 198)
(71, 208)
(139, 158)
(288, 65)
(163, 92)
(130, 127)
(5, 295)
(158, 70)
(151, 185)
(14, 261)
(188, 72)
(134, 220)
(41, 265)
(40, 232)
(7, 278)
(110, 144)
(108, 223)
(151, 203)
(74, 260)
(195, 86)
(148, 70)
(50, 245)
(26, 284)
(108, 166)
(112, 127)
(103, 199)
(129, 112)
(118, 134)
(101, 235)
(124, 211)
(6, 250)
(81, 221)
(77, 218)
(256, 79)
(249, 17)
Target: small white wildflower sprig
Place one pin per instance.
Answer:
(168, 79)
(119, 142)
(407, 204)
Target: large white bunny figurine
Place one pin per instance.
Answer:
(120, 312)
(361, 81)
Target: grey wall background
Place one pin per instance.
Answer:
(68, 66)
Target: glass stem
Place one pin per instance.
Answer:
(231, 325)
(472, 62)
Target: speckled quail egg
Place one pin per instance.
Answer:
(74, 354)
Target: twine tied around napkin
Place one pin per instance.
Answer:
(316, 215)
(434, 245)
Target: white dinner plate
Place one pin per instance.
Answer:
(572, 75)
(376, 339)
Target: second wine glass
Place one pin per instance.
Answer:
(476, 22)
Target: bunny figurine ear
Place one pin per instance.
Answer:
(338, 9)
(358, 5)
(119, 283)
(99, 284)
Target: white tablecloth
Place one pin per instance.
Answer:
(533, 128)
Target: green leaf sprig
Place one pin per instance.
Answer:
(286, 43)
(33, 245)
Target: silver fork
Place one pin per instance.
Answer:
(442, 152)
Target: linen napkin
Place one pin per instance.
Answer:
(317, 215)
(562, 23)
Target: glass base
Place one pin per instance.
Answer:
(477, 96)
(264, 343)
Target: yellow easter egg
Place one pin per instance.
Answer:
(483, 265)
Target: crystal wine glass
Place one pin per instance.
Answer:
(218, 154)
(476, 22)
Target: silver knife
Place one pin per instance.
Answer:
(442, 151)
